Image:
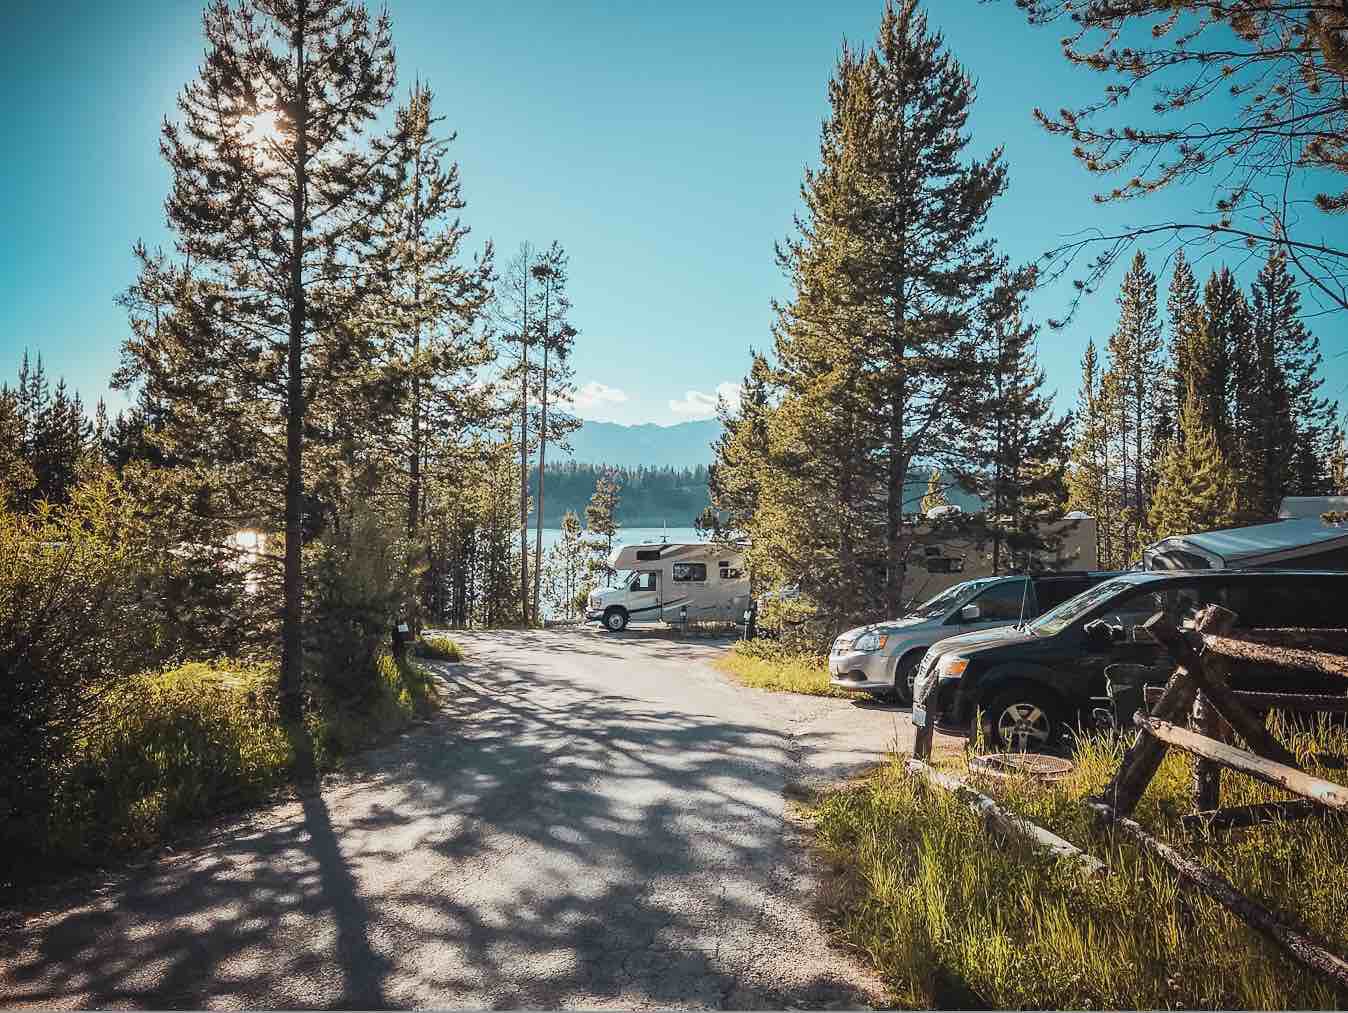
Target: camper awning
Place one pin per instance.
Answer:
(1282, 543)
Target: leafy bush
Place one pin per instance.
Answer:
(439, 649)
(78, 617)
(951, 915)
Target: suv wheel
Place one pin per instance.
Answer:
(905, 674)
(1022, 719)
(615, 619)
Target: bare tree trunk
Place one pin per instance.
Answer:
(542, 446)
(524, 450)
(414, 485)
(292, 644)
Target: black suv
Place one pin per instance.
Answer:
(1031, 681)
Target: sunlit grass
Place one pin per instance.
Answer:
(170, 747)
(761, 664)
(932, 900)
(439, 649)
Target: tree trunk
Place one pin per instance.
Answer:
(542, 448)
(292, 644)
(414, 485)
(524, 452)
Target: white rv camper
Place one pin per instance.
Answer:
(1305, 543)
(673, 582)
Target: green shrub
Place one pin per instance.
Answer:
(439, 649)
(79, 617)
(797, 624)
(950, 914)
(767, 664)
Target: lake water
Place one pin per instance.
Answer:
(626, 536)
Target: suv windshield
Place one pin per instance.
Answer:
(938, 607)
(1056, 620)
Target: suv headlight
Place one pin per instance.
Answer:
(869, 643)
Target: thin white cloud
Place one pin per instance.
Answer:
(593, 396)
(697, 405)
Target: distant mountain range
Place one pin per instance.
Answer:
(684, 445)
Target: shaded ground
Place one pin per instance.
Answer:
(593, 820)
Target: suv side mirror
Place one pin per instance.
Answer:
(970, 613)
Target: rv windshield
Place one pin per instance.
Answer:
(943, 603)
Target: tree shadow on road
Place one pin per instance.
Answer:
(542, 842)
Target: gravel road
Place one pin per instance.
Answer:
(593, 820)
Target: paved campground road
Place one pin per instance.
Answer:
(593, 820)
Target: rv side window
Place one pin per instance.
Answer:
(729, 572)
(647, 555)
(687, 573)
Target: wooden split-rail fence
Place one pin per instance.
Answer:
(1197, 712)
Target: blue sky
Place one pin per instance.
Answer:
(662, 144)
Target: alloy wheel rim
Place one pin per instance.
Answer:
(1023, 725)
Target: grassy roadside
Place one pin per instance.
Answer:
(171, 747)
(948, 913)
(762, 664)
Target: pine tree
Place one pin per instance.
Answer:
(1021, 473)
(1288, 425)
(888, 268)
(556, 380)
(1226, 318)
(1131, 390)
(601, 526)
(431, 303)
(1090, 472)
(1196, 490)
(1337, 465)
(741, 453)
(1188, 355)
(271, 201)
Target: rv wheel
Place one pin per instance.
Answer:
(615, 619)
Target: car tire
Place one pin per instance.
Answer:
(615, 620)
(905, 674)
(1022, 718)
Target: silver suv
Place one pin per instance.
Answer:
(882, 659)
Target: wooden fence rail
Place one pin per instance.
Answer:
(1198, 690)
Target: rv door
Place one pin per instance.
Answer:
(643, 595)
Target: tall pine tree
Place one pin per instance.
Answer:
(1196, 490)
(272, 195)
(889, 265)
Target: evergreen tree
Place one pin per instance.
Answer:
(601, 526)
(556, 379)
(888, 267)
(1196, 489)
(518, 314)
(1019, 447)
(430, 302)
(1289, 425)
(1226, 318)
(566, 586)
(1337, 466)
(1188, 354)
(741, 455)
(1131, 387)
(1090, 473)
(271, 201)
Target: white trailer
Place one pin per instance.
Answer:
(673, 582)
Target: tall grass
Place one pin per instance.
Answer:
(170, 747)
(944, 910)
(762, 664)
